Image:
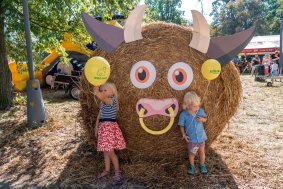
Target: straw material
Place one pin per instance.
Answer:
(163, 45)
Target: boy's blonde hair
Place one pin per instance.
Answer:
(190, 97)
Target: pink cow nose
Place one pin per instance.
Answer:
(159, 107)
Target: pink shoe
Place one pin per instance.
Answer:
(102, 175)
(117, 179)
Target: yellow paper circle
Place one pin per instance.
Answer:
(210, 69)
(97, 70)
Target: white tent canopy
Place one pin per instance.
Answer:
(262, 44)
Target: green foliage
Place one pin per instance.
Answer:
(166, 10)
(50, 19)
(20, 99)
(273, 15)
(235, 16)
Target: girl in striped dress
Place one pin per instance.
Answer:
(107, 131)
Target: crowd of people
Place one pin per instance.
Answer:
(268, 64)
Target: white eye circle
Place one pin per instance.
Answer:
(143, 74)
(180, 76)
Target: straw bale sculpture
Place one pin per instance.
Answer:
(153, 67)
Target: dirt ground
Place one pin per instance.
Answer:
(248, 153)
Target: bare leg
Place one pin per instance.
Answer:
(252, 72)
(192, 159)
(117, 179)
(114, 160)
(107, 161)
(107, 166)
(201, 154)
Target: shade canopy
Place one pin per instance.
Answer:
(262, 44)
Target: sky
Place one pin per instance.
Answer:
(188, 5)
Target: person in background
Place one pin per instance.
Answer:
(276, 58)
(266, 60)
(273, 69)
(255, 63)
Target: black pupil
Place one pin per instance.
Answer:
(142, 74)
(179, 76)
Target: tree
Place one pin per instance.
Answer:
(235, 16)
(49, 21)
(274, 16)
(166, 10)
(5, 76)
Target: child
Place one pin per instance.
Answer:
(107, 131)
(273, 69)
(191, 126)
(266, 62)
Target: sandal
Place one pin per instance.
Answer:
(102, 175)
(191, 169)
(203, 169)
(117, 179)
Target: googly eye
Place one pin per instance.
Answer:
(180, 76)
(143, 74)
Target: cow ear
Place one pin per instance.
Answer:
(225, 48)
(106, 36)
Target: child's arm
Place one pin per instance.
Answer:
(184, 136)
(96, 124)
(101, 96)
(201, 116)
(202, 119)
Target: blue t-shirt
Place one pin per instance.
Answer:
(193, 128)
(109, 111)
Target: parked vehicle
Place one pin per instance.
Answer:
(70, 83)
(66, 76)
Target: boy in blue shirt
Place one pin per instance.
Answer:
(191, 126)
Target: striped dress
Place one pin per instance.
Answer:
(110, 136)
(109, 111)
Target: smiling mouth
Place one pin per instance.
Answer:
(149, 107)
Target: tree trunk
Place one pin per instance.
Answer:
(6, 92)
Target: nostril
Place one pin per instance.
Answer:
(140, 107)
(173, 106)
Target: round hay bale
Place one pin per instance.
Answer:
(163, 44)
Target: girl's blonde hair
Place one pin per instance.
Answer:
(190, 97)
(113, 87)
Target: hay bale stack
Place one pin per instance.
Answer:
(163, 45)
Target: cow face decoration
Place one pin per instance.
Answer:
(153, 67)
